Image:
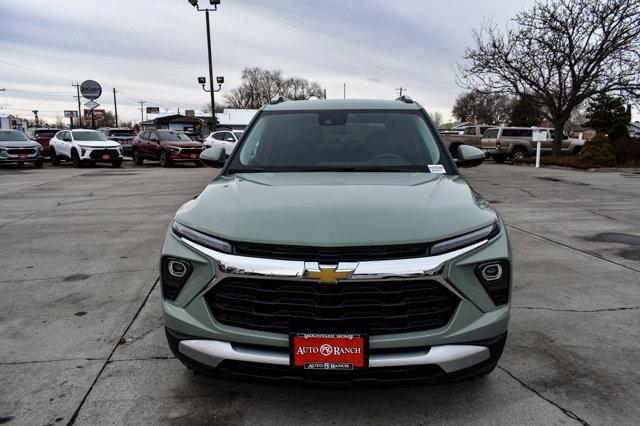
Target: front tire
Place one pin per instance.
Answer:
(117, 163)
(137, 158)
(55, 160)
(199, 164)
(164, 159)
(38, 164)
(75, 159)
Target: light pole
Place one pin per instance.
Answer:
(214, 6)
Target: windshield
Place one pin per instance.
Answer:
(12, 135)
(46, 133)
(85, 135)
(336, 140)
(121, 133)
(174, 136)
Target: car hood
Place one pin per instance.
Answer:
(337, 209)
(99, 144)
(18, 144)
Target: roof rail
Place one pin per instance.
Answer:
(405, 98)
(277, 99)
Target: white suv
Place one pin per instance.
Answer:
(226, 139)
(84, 146)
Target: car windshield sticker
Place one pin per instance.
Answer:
(436, 168)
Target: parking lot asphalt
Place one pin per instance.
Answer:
(83, 339)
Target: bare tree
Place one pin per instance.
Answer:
(479, 107)
(259, 86)
(558, 54)
(436, 116)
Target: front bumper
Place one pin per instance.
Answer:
(96, 154)
(429, 365)
(199, 340)
(20, 158)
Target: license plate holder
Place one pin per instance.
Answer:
(329, 351)
(23, 156)
(106, 157)
(194, 156)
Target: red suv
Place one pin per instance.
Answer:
(166, 146)
(42, 136)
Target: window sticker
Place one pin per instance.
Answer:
(436, 168)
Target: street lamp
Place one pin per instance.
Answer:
(203, 81)
(214, 6)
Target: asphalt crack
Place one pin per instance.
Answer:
(533, 308)
(115, 347)
(573, 248)
(564, 410)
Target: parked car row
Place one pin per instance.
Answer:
(502, 143)
(108, 145)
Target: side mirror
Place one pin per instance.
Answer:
(469, 156)
(213, 157)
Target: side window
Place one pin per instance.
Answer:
(470, 131)
(144, 135)
(482, 130)
(155, 136)
(491, 133)
(526, 133)
(219, 136)
(509, 133)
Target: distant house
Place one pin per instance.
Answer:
(634, 129)
(12, 122)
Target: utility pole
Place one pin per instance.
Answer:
(115, 105)
(400, 89)
(77, 86)
(344, 91)
(325, 93)
(213, 104)
(142, 109)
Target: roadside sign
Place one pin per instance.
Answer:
(189, 112)
(70, 114)
(90, 89)
(97, 113)
(91, 104)
(539, 134)
(153, 110)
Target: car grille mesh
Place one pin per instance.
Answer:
(19, 151)
(376, 307)
(332, 254)
(97, 154)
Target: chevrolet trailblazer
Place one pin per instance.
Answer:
(339, 244)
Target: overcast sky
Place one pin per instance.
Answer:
(153, 50)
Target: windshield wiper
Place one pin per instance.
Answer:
(247, 170)
(356, 169)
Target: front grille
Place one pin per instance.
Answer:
(188, 151)
(97, 154)
(18, 151)
(332, 254)
(376, 307)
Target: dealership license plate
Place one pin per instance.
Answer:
(328, 351)
(106, 157)
(194, 155)
(23, 156)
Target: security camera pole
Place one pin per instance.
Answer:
(214, 4)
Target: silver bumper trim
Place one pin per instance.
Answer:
(448, 357)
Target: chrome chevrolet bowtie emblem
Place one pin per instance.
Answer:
(327, 274)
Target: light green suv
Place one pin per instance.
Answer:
(339, 244)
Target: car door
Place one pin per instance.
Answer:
(140, 143)
(154, 144)
(66, 143)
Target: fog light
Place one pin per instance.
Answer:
(494, 277)
(492, 272)
(177, 268)
(175, 273)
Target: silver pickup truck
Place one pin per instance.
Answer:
(502, 143)
(468, 135)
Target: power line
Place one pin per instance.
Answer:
(31, 70)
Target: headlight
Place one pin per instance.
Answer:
(200, 238)
(464, 240)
